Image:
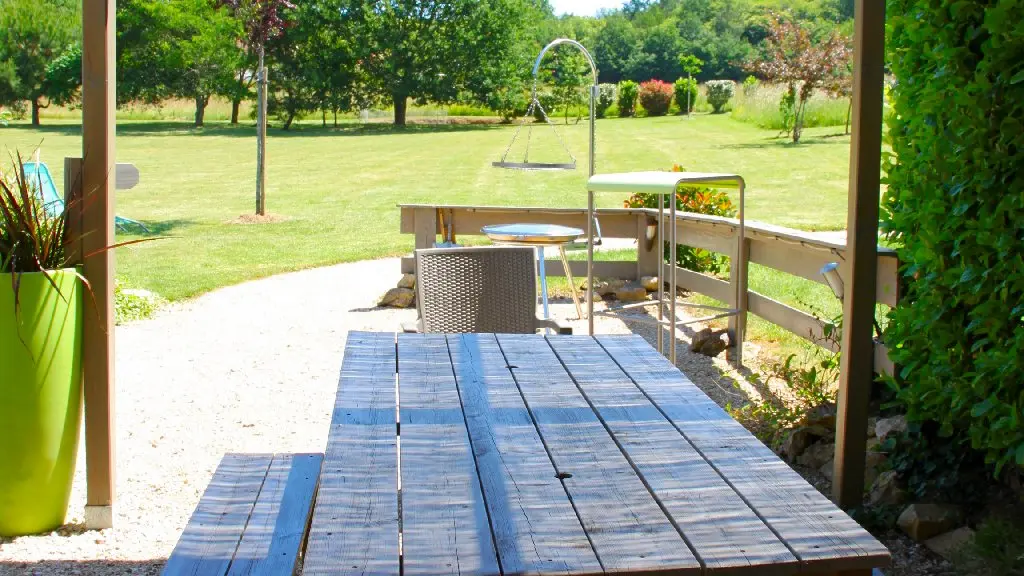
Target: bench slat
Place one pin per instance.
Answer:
(535, 527)
(211, 537)
(723, 530)
(277, 527)
(445, 528)
(355, 524)
(628, 529)
(823, 537)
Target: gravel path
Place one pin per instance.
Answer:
(249, 368)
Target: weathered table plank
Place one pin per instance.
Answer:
(535, 527)
(211, 537)
(355, 523)
(277, 526)
(628, 529)
(823, 537)
(726, 534)
(445, 528)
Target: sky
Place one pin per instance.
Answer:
(583, 7)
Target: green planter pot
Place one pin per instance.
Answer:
(40, 400)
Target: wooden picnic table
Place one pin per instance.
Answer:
(523, 454)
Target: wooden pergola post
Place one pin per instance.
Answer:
(98, 160)
(857, 361)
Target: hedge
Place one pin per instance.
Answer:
(955, 208)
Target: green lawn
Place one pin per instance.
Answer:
(338, 188)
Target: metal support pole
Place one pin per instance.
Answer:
(672, 274)
(590, 262)
(661, 274)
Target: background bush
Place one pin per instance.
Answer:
(605, 99)
(719, 93)
(628, 92)
(656, 97)
(955, 207)
(681, 87)
(698, 200)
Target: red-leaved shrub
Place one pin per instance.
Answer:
(656, 97)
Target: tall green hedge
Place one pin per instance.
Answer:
(955, 204)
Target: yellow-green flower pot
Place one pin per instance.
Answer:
(40, 399)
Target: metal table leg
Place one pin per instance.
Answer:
(543, 284)
(572, 282)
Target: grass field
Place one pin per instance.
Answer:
(337, 189)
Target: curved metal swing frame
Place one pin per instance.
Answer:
(535, 102)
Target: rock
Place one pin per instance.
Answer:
(631, 292)
(924, 521)
(700, 338)
(398, 298)
(822, 415)
(650, 283)
(872, 422)
(873, 462)
(799, 439)
(817, 455)
(885, 491)
(407, 281)
(949, 544)
(828, 468)
(886, 426)
(607, 287)
(714, 346)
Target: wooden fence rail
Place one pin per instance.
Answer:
(784, 249)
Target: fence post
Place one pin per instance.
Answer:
(739, 264)
(647, 252)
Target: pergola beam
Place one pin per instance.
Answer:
(97, 208)
(856, 375)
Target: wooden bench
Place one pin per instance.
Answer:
(252, 518)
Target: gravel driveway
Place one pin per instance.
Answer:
(249, 368)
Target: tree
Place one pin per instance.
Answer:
(177, 48)
(429, 50)
(794, 58)
(691, 65)
(262, 20)
(33, 34)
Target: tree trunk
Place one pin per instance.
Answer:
(323, 117)
(849, 111)
(335, 117)
(400, 102)
(35, 112)
(288, 121)
(201, 102)
(235, 105)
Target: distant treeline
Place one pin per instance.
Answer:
(334, 56)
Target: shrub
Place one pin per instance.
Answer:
(628, 92)
(656, 97)
(954, 206)
(605, 99)
(682, 87)
(549, 102)
(699, 200)
(719, 93)
(133, 305)
(750, 84)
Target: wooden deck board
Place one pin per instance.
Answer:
(536, 530)
(445, 528)
(211, 537)
(823, 537)
(277, 525)
(726, 534)
(355, 524)
(628, 529)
